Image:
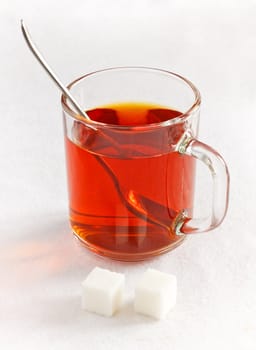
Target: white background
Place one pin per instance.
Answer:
(42, 265)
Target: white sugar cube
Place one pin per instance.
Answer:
(155, 294)
(102, 291)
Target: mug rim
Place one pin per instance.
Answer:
(179, 119)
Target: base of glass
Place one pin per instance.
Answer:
(129, 257)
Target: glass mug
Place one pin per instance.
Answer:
(131, 168)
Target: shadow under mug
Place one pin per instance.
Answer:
(131, 188)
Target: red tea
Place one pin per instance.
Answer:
(123, 201)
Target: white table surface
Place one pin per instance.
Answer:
(42, 265)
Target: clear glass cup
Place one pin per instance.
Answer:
(131, 187)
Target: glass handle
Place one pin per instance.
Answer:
(220, 189)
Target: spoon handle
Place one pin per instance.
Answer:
(48, 69)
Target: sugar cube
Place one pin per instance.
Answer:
(102, 291)
(155, 294)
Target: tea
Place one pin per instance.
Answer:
(123, 201)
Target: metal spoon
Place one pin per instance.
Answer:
(133, 203)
